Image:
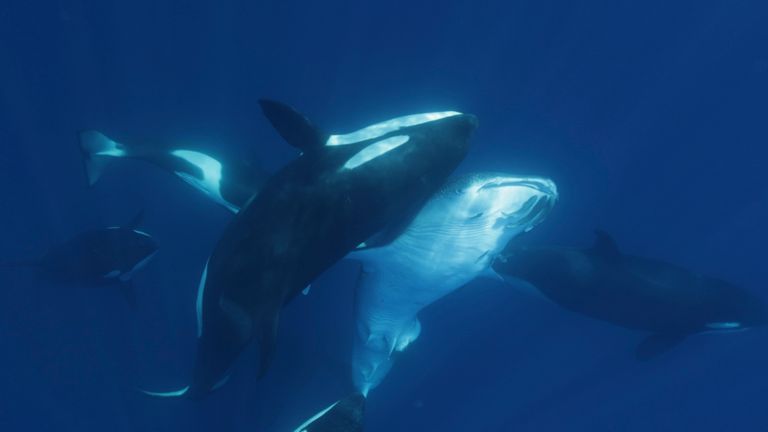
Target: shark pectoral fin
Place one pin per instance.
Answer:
(345, 415)
(605, 245)
(97, 150)
(295, 129)
(267, 335)
(656, 344)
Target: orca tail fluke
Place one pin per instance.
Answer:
(346, 415)
(98, 150)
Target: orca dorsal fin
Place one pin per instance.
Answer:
(604, 245)
(136, 221)
(293, 126)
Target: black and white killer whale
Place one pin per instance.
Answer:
(338, 193)
(633, 292)
(230, 182)
(107, 256)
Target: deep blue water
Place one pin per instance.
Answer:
(651, 117)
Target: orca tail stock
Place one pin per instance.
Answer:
(345, 415)
(98, 151)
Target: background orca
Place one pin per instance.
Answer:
(107, 256)
(339, 192)
(229, 182)
(451, 241)
(633, 292)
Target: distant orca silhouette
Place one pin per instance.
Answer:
(107, 256)
(339, 192)
(228, 182)
(633, 292)
(452, 240)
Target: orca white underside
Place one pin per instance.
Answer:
(210, 183)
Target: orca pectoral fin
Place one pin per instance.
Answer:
(656, 344)
(97, 150)
(295, 128)
(345, 415)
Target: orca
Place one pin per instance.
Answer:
(340, 191)
(230, 182)
(452, 240)
(633, 292)
(107, 256)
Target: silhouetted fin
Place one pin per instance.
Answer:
(267, 336)
(604, 245)
(98, 150)
(295, 129)
(137, 221)
(345, 415)
(126, 288)
(657, 343)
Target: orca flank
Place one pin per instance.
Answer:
(306, 217)
(601, 282)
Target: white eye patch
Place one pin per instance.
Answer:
(383, 128)
(375, 150)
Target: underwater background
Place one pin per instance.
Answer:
(650, 116)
